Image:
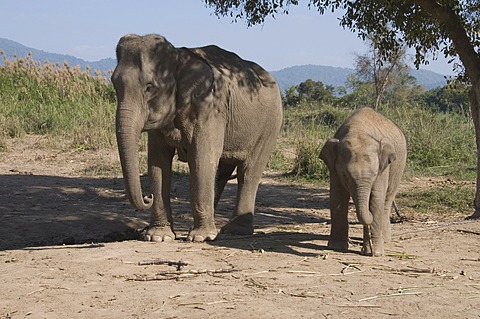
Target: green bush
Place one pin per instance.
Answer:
(307, 164)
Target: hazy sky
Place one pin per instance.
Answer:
(90, 29)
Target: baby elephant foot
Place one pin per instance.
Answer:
(239, 225)
(202, 234)
(158, 233)
(376, 245)
(338, 244)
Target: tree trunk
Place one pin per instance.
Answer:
(475, 107)
(470, 60)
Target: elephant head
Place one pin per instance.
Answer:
(152, 80)
(357, 163)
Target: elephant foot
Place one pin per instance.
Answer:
(158, 233)
(475, 215)
(239, 225)
(202, 234)
(338, 244)
(376, 245)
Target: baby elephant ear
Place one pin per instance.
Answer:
(329, 153)
(387, 154)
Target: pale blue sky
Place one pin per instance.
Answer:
(90, 29)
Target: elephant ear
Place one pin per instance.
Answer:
(329, 153)
(387, 154)
(194, 77)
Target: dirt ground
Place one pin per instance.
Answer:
(68, 248)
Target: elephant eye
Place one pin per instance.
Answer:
(149, 88)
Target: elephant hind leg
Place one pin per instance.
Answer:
(249, 174)
(224, 174)
(241, 222)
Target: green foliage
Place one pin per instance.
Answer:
(428, 26)
(435, 140)
(312, 119)
(308, 91)
(305, 129)
(451, 98)
(439, 142)
(307, 163)
(279, 161)
(58, 100)
(362, 93)
(457, 198)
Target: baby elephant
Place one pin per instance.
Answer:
(366, 159)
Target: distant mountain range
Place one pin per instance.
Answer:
(286, 78)
(11, 48)
(337, 76)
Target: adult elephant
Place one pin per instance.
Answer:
(366, 159)
(218, 111)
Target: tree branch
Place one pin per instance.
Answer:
(458, 35)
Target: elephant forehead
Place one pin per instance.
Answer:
(358, 150)
(359, 144)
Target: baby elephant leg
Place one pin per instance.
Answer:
(339, 218)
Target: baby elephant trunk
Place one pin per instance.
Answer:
(361, 197)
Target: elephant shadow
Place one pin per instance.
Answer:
(288, 219)
(42, 210)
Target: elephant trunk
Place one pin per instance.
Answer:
(128, 130)
(361, 197)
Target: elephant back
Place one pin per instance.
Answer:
(245, 74)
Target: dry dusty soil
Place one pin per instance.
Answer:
(69, 248)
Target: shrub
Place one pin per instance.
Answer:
(307, 163)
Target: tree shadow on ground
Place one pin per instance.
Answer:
(42, 210)
(38, 210)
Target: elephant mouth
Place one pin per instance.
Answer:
(151, 125)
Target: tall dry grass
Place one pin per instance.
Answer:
(69, 104)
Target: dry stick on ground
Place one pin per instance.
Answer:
(76, 246)
(355, 305)
(179, 264)
(416, 293)
(406, 270)
(470, 259)
(347, 266)
(182, 274)
(468, 231)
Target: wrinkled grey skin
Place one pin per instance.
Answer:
(218, 111)
(366, 159)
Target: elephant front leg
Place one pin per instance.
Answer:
(203, 193)
(373, 235)
(160, 172)
(339, 199)
(204, 155)
(373, 243)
